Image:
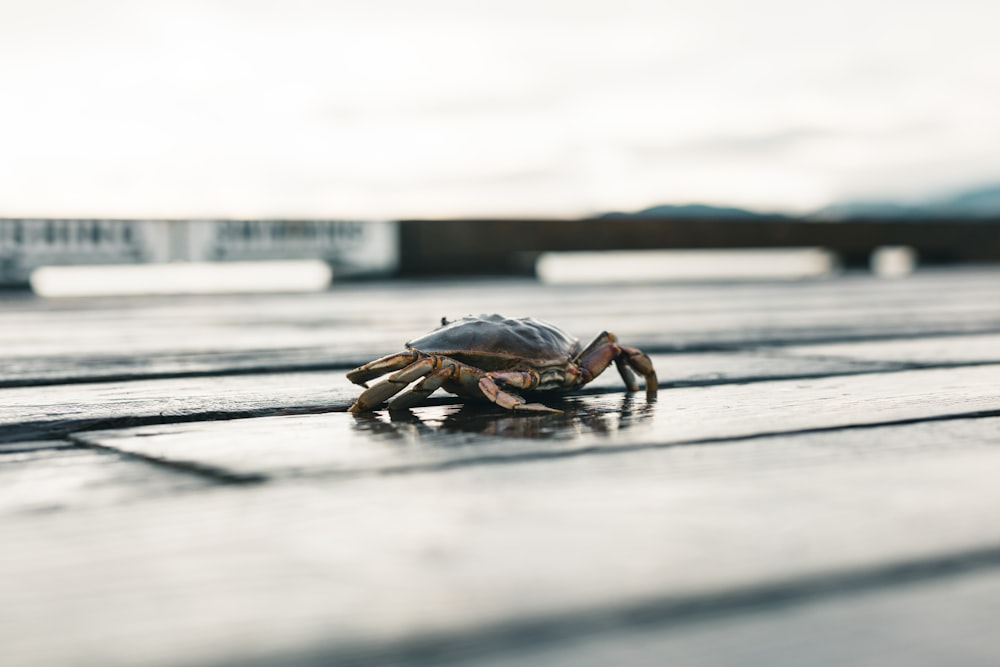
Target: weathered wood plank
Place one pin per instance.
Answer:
(364, 570)
(404, 302)
(948, 622)
(615, 515)
(89, 366)
(924, 351)
(36, 413)
(342, 443)
(57, 476)
(353, 323)
(56, 411)
(22, 446)
(386, 302)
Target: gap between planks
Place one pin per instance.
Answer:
(341, 546)
(339, 361)
(111, 405)
(299, 446)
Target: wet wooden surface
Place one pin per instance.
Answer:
(180, 482)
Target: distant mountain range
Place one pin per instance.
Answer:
(689, 211)
(982, 202)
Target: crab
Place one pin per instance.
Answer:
(493, 357)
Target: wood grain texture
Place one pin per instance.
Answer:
(60, 410)
(367, 566)
(59, 477)
(343, 443)
(915, 352)
(178, 481)
(352, 324)
(943, 622)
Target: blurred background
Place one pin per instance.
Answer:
(300, 108)
(445, 110)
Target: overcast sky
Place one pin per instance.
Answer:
(394, 108)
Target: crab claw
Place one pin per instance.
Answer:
(642, 365)
(604, 349)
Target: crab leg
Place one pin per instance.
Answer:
(423, 389)
(604, 349)
(643, 365)
(520, 379)
(628, 377)
(395, 383)
(492, 391)
(373, 369)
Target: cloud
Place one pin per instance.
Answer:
(208, 106)
(768, 142)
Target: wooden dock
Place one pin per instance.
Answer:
(180, 482)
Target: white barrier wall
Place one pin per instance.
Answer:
(351, 247)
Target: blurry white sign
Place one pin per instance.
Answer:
(641, 266)
(300, 275)
(350, 247)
